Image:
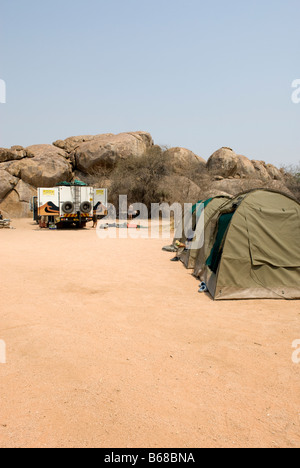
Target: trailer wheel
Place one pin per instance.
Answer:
(68, 207)
(86, 207)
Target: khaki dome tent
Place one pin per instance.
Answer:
(195, 220)
(201, 214)
(255, 249)
(200, 256)
(187, 217)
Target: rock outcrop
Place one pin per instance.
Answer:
(181, 158)
(245, 168)
(178, 188)
(15, 153)
(226, 163)
(7, 183)
(13, 207)
(25, 192)
(92, 159)
(274, 173)
(235, 186)
(261, 170)
(106, 150)
(223, 163)
(72, 143)
(47, 167)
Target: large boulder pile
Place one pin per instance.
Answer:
(22, 170)
(233, 173)
(47, 166)
(106, 150)
(226, 163)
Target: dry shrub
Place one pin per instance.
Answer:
(139, 178)
(292, 180)
(98, 176)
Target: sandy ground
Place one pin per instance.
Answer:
(110, 345)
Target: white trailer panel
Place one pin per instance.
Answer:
(87, 199)
(76, 199)
(66, 197)
(48, 201)
(100, 201)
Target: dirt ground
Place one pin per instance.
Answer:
(110, 345)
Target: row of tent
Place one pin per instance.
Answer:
(244, 247)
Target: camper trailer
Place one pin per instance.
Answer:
(70, 205)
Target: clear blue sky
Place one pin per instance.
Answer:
(197, 74)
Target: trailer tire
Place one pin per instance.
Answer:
(68, 207)
(86, 207)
